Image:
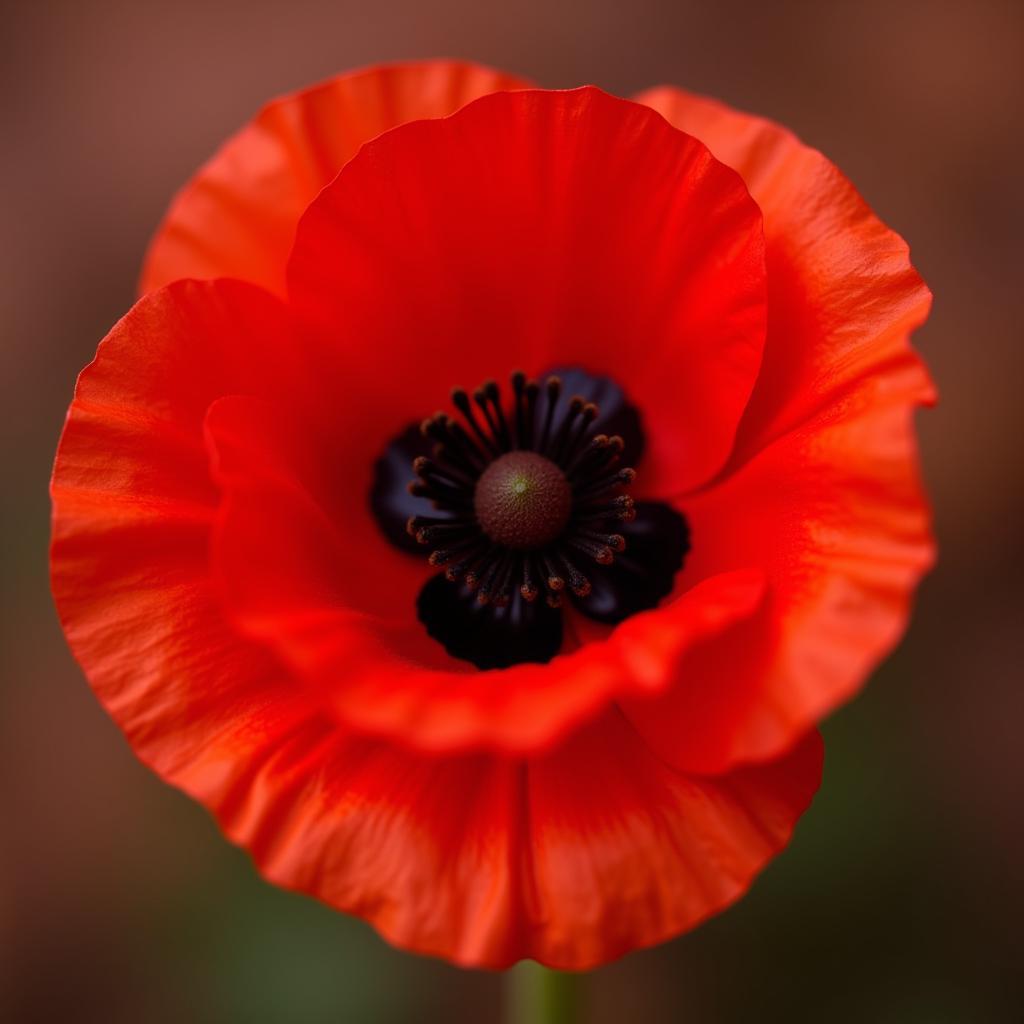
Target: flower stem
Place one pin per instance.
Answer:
(537, 995)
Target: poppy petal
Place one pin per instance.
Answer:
(822, 490)
(237, 216)
(286, 537)
(661, 851)
(134, 506)
(836, 519)
(572, 859)
(532, 227)
(843, 297)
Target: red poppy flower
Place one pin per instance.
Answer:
(557, 699)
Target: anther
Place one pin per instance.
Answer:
(578, 583)
(615, 541)
(600, 553)
(432, 534)
(528, 588)
(558, 447)
(596, 488)
(589, 414)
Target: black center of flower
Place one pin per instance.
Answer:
(523, 501)
(528, 500)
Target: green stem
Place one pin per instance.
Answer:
(536, 995)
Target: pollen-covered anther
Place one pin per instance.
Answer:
(528, 588)
(523, 492)
(615, 541)
(578, 583)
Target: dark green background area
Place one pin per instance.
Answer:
(899, 898)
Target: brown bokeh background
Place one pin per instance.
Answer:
(899, 899)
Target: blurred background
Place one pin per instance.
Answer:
(900, 897)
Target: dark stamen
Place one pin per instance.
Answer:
(559, 445)
(481, 397)
(522, 496)
(554, 389)
(532, 391)
(528, 588)
(589, 415)
(462, 403)
(578, 583)
(518, 388)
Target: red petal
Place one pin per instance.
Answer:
(535, 228)
(293, 539)
(237, 216)
(384, 677)
(133, 508)
(843, 297)
(833, 513)
(572, 859)
(822, 491)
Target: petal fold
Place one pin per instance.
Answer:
(537, 226)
